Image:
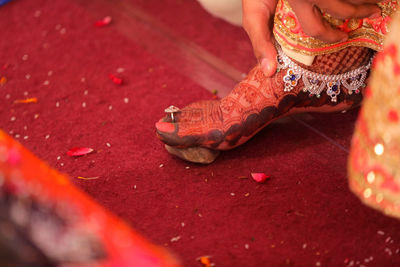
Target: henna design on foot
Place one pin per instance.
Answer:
(254, 103)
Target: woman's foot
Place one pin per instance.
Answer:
(255, 102)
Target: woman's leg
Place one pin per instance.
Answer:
(255, 102)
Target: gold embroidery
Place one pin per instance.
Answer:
(362, 32)
(374, 158)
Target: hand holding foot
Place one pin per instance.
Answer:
(258, 19)
(258, 100)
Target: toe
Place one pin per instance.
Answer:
(166, 127)
(194, 125)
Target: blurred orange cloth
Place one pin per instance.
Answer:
(25, 177)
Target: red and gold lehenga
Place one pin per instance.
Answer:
(374, 163)
(362, 32)
(312, 76)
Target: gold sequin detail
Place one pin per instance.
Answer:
(367, 192)
(371, 177)
(379, 149)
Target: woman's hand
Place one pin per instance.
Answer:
(309, 14)
(258, 17)
(258, 21)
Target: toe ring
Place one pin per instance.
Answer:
(172, 110)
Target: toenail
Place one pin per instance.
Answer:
(165, 127)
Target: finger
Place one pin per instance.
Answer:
(264, 49)
(346, 10)
(268, 60)
(257, 21)
(314, 25)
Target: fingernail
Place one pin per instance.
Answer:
(267, 67)
(165, 127)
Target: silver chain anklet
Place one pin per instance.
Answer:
(315, 83)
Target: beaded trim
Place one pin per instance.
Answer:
(315, 83)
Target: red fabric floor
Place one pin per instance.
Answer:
(304, 216)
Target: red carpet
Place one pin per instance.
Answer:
(304, 216)
(227, 42)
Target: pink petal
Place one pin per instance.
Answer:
(79, 151)
(260, 176)
(115, 79)
(105, 21)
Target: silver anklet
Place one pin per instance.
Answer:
(315, 83)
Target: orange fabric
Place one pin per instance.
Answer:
(23, 173)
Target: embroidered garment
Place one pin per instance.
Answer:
(362, 32)
(374, 163)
